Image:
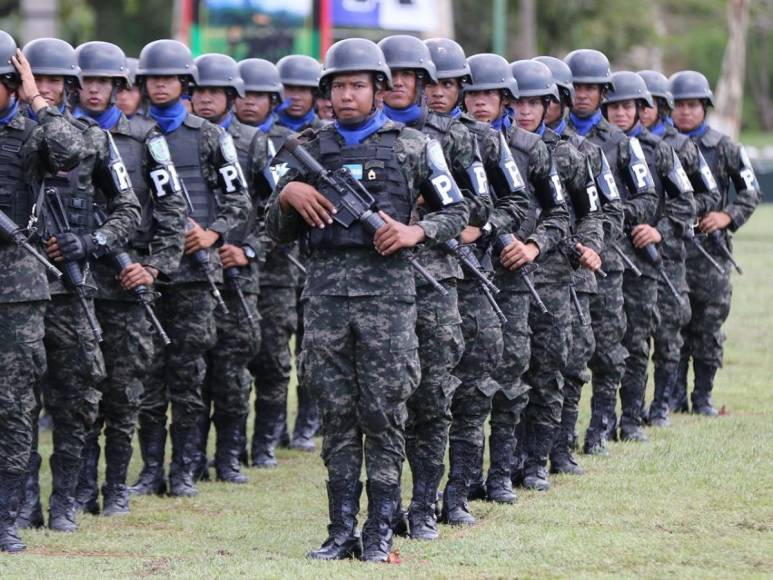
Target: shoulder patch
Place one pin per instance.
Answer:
(159, 150)
(227, 147)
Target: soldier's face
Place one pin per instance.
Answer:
(443, 96)
(253, 108)
(403, 93)
(51, 89)
(209, 102)
(553, 114)
(352, 97)
(622, 114)
(587, 99)
(529, 112)
(95, 94)
(688, 114)
(324, 108)
(5, 97)
(163, 90)
(649, 115)
(485, 106)
(128, 100)
(301, 100)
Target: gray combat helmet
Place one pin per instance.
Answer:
(354, 55)
(690, 84)
(8, 72)
(590, 67)
(404, 52)
(219, 70)
(562, 76)
(657, 85)
(449, 59)
(166, 57)
(131, 64)
(53, 57)
(103, 59)
(299, 70)
(628, 87)
(261, 76)
(534, 79)
(490, 72)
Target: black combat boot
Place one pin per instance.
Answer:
(268, 419)
(519, 456)
(307, 423)
(539, 441)
(678, 402)
(562, 460)
(704, 384)
(61, 507)
(499, 487)
(377, 532)
(343, 538)
(152, 446)
(596, 434)
(200, 461)
(229, 438)
(476, 490)
(659, 408)
(87, 491)
(400, 517)
(456, 510)
(422, 518)
(244, 456)
(184, 452)
(115, 493)
(30, 511)
(10, 491)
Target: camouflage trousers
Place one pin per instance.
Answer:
(607, 364)
(667, 337)
(228, 381)
(23, 360)
(641, 313)
(439, 328)
(360, 361)
(128, 351)
(76, 368)
(178, 371)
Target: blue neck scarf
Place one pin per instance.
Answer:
(456, 112)
(107, 119)
(357, 133)
(407, 116)
(561, 127)
(669, 121)
(10, 112)
(541, 129)
(226, 121)
(34, 116)
(634, 131)
(266, 125)
(699, 131)
(584, 125)
(294, 123)
(658, 128)
(169, 117)
(502, 123)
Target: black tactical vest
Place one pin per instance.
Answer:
(244, 138)
(16, 196)
(381, 176)
(610, 146)
(132, 149)
(709, 146)
(649, 143)
(185, 146)
(521, 143)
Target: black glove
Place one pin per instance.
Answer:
(74, 247)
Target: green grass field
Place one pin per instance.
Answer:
(697, 500)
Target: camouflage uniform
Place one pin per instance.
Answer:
(28, 152)
(711, 291)
(360, 352)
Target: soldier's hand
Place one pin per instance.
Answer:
(315, 209)
(28, 88)
(197, 238)
(714, 220)
(232, 256)
(68, 247)
(517, 254)
(53, 251)
(470, 235)
(644, 234)
(394, 236)
(588, 258)
(135, 275)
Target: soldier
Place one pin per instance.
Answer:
(28, 152)
(359, 355)
(710, 290)
(667, 337)
(279, 274)
(209, 176)
(228, 383)
(673, 214)
(591, 78)
(76, 365)
(155, 250)
(538, 92)
(128, 97)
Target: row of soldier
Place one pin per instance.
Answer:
(560, 219)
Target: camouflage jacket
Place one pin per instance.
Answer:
(362, 271)
(51, 145)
